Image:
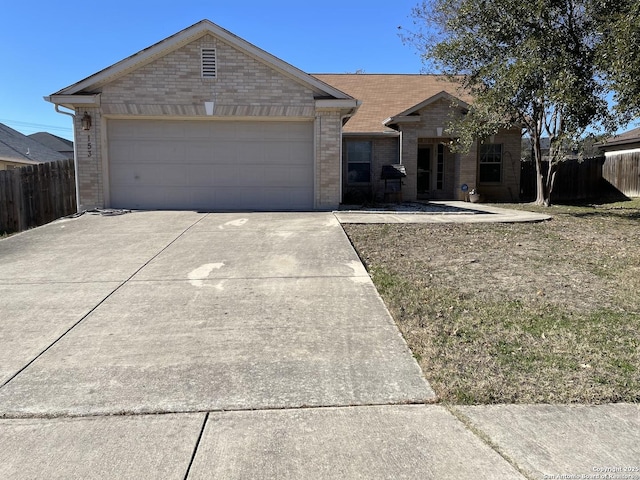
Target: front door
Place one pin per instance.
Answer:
(424, 170)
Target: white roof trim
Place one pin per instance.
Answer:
(614, 153)
(401, 119)
(92, 100)
(184, 37)
(22, 161)
(337, 103)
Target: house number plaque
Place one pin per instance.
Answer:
(89, 145)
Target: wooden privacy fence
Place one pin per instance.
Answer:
(575, 180)
(36, 194)
(623, 172)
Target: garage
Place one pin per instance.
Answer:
(210, 164)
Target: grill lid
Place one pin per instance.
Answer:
(393, 172)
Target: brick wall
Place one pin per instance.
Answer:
(385, 151)
(172, 87)
(328, 130)
(460, 168)
(175, 80)
(89, 160)
(509, 189)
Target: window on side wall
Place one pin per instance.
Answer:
(359, 162)
(490, 163)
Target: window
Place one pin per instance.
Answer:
(209, 63)
(359, 162)
(440, 168)
(490, 163)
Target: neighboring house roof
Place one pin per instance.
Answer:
(384, 96)
(59, 144)
(18, 148)
(626, 140)
(80, 92)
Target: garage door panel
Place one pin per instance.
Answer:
(223, 152)
(211, 165)
(144, 152)
(200, 175)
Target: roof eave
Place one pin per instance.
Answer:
(392, 122)
(23, 161)
(371, 134)
(72, 101)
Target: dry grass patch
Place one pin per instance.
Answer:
(517, 313)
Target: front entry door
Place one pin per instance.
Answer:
(424, 170)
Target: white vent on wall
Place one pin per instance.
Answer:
(209, 66)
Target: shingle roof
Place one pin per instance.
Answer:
(14, 146)
(386, 95)
(632, 136)
(53, 142)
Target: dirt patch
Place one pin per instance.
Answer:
(539, 312)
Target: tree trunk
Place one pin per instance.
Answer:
(542, 193)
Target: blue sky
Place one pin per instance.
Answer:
(47, 45)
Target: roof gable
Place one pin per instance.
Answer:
(430, 101)
(52, 141)
(184, 37)
(388, 95)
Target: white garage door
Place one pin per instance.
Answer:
(210, 165)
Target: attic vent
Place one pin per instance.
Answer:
(208, 63)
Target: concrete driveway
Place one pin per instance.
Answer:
(182, 345)
(166, 312)
(128, 339)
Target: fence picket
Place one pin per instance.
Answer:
(36, 194)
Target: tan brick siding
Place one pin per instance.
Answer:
(509, 189)
(385, 151)
(172, 87)
(328, 132)
(175, 80)
(461, 168)
(89, 164)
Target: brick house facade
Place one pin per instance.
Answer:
(275, 138)
(403, 119)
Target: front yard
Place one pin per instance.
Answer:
(517, 313)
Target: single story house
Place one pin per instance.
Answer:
(18, 150)
(205, 120)
(54, 142)
(403, 119)
(621, 166)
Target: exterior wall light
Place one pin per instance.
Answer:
(439, 131)
(86, 121)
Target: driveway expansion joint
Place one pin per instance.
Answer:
(95, 307)
(486, 439)
(124, 413)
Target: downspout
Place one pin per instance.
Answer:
(75, 155)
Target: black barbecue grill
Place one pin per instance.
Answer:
(392, 176)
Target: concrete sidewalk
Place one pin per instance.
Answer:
(455, 212)
(188, 345)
